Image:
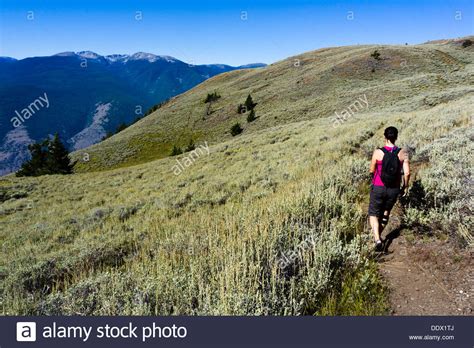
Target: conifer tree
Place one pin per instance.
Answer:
(37, 164)
(236, 129)
(58, 161)
(212, 97)
(249, 104)
(251, 117)
(47, 157)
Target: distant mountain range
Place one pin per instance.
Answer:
(88, 95)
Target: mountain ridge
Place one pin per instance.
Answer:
(119, 57)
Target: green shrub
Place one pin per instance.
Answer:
(241, 109)
(375, 55)
(212, 97)
(121, 127)
(236, 129)
(441, 199)
(176, 151)
(191, 146)
(251, 117)
(466, 43)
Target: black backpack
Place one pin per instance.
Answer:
(391, 167)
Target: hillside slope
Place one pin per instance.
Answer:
(88, 96)
(309, 86)
(270, 222)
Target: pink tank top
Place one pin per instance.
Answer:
(377, 180)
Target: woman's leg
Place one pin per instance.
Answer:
(384, 221)
(376, 205)
(374, 224)
(391, 199)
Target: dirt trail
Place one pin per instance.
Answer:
(425, 275)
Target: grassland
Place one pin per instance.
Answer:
(142, 240)
(305, 87)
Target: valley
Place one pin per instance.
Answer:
(91, 95)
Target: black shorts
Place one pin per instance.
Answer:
(381, 199)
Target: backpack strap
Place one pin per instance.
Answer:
(397, 150)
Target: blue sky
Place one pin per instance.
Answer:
(225, 31)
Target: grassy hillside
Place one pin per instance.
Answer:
(272, 221)
(309, 86)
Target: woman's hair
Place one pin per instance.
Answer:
(391, 133)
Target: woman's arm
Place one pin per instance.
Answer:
(406, 168)
(373, 162)
(404, 156)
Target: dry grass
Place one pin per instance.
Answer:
(141, 240)
(309, 86)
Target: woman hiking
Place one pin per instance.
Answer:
(387, 165)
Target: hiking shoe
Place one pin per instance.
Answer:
(378, 245)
